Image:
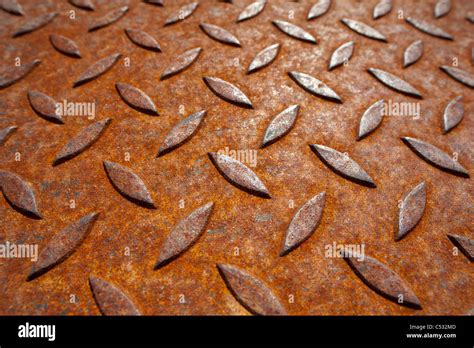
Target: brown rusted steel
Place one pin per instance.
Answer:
(250, 229)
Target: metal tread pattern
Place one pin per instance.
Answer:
(216, 157)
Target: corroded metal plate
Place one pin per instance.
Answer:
(223, 157)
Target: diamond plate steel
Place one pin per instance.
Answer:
(70, 169)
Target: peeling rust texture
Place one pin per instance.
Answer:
(252, 157)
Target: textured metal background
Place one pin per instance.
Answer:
(353, 213)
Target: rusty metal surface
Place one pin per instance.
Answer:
(222, 225)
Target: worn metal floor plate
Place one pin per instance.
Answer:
(235, 157)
